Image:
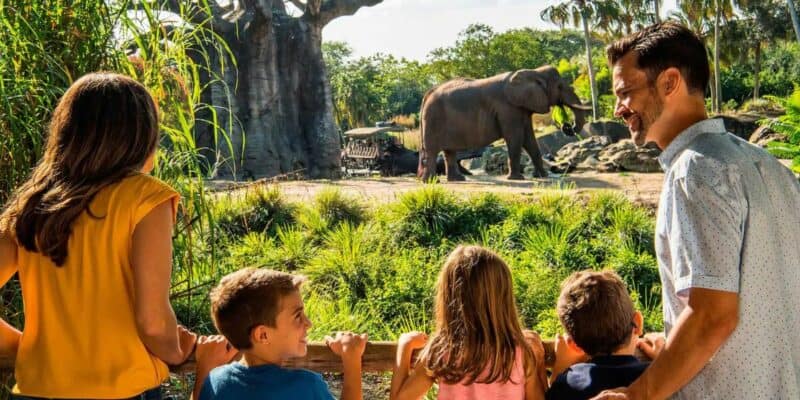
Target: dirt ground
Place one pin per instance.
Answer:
(641, 188)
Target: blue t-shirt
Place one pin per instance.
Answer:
(235, 381)
(586, 380)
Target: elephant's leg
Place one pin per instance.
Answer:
(532, 147)
(428, 164)
(451, 166)
(514, 153)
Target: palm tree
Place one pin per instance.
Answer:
(696, 13)
(657, 12)
(764, 20)
(795, 19)
(628, 15)
(580, 13)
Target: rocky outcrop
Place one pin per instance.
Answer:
(626, 156)
(764, 134)
(551, 143)
(742, 125)
(598, 153)
(614, 130)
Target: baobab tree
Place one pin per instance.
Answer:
(274, 95)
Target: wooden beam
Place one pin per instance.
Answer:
(378, 357)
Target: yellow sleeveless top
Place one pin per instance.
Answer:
(80, 338)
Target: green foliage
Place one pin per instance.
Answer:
(378, 275)
(259, 210)
(371, 89)
(480, 52)
(425, 217)
(789, 125)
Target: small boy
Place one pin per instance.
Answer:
(602, 329)
(260, 313)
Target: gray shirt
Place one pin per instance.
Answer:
(729, 220)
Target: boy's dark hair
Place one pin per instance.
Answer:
(596, 311)
(665, 45)
(248, 298)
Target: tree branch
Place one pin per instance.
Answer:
(299, 4)
(332, 9)
(313, 7)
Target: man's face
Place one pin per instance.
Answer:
(289, 336)
(638, 101)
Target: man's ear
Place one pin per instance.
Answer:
(638, 322)
(670, 80)
(259, 334)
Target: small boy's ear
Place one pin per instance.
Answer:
(259, 334)
(573, 346)
(638, 322)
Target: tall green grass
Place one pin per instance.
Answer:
(375, 270)
(46, 45)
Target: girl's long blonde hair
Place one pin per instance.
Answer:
(104, 128)
(477, 326)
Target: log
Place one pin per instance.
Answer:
(378, 357)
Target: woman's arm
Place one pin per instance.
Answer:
(9, 336)
(151, 258)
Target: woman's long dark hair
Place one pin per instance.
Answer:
(104, 128)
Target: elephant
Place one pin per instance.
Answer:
(463, 114)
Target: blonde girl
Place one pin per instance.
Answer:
(478, 350)
(90, 236)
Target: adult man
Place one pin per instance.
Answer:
(727, 233)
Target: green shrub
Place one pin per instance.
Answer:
(258, 210)
(425, 217)
(788, 125)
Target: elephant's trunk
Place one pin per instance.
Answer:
(580, 119)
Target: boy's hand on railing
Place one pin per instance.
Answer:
(186, 342)
(348, 345)
(652, 344)
(213, 351)
(411, 341)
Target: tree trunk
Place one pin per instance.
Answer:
(657, 11)
(795, 19)
(276, 102)
(592, 82)
(717, 85)
(757, 71)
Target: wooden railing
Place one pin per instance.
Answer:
(378, 357)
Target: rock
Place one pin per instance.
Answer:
(574, 154)
(495, 161)
(553, 142)
(591, 162)
(764, 134)
(741, 125)
(626, 156)
(614, 130)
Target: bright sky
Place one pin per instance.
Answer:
(412, 28)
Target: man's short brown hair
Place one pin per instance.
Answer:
(596, 311)
(247, 298)
(666, 45)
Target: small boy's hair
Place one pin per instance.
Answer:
(248, 298)
(596, 311)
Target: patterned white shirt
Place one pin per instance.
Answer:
(729, 220)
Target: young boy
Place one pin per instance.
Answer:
(260, 313)
(602, 330)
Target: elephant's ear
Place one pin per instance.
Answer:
(527, 88)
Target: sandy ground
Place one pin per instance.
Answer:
(641, 188)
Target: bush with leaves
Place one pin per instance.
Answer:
(788, 125)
